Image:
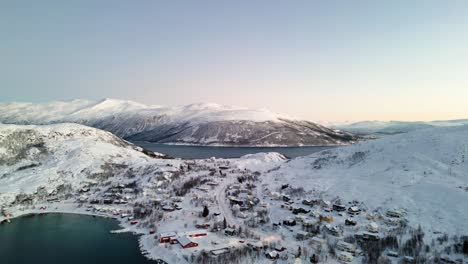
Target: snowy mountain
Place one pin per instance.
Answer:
(66, 156)
(200, 124)
(394, 127)
(424, 173)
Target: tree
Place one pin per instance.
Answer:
(206, 212)
(224, 223)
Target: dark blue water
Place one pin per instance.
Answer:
(201, 152)
(66, 238)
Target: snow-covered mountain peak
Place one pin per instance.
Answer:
(200, 123)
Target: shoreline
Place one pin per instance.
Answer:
(239, 146)
(147, 250)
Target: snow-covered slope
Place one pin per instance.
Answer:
(424, 173)
(395, 127)
(201, 124)
(66, 155)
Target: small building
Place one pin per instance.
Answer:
(289, 222)
(373, 227)
(257, 245)
(197, 233)
(344, 246)
(394, 213)
(219, 252)
(339, 207)
(309, 202)
(345, 256)
(368, 236)
(185, 242)
(272, 255)
(350, 222)
(167, 237)
(203, 226)
(168, 208)
(317, 242)
(334, 230)
(302, 235)
(230, 231)
(309, 223)
(300, 211)
(354, 210)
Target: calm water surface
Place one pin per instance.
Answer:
(67, 239)
(201, 152)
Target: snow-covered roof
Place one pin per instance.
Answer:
(168, 234)
(183, 240)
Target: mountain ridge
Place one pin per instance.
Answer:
(196, 124)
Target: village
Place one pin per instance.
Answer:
(211, 211)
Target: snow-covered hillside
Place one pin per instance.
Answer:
(67, 155)
(394, 127)
(201, 124)
(424, 173)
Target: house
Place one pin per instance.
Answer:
(373, 227)
(302, 235)
(309, 202)
(272, 255)
(394, 213)
(325, 204)
(219, 252)
(344, 246)
(300, 211)
(196, 233)
(230, 231)
(185, 242)
(168, 208)
(235, 200)
(335, 231)
(167, 237)
(350, 222)
(345, 256)
(309, 223)
(354, 210)
(203, 226)
(255, 245)
(339, 207)
(289, 222)
(300, 218)
(368, 236)
(317, 243)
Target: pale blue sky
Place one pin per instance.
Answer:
(324, 60)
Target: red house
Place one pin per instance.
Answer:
(185, 242)
(167, 237)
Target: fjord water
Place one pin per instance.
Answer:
(203, 152)
(67, 238)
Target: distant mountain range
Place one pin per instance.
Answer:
(395, 127)
(197, 124)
